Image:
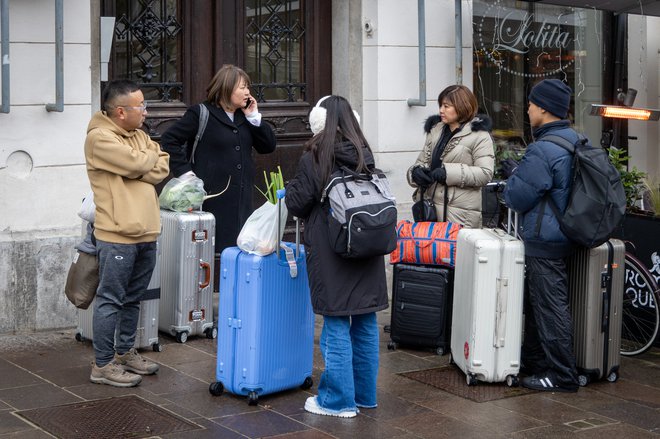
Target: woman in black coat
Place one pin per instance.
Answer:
(223, 157)
(346, 292)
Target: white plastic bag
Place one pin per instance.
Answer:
(88, 209)
(259, 235)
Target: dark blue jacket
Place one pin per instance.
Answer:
(546, 168)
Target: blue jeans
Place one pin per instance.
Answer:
(349, 346)
(124, 274)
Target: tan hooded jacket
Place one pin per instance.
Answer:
(469, 159)
(123, 167)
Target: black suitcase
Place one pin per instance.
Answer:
(421, 307)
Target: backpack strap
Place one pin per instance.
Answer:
(570, 147)
(203, 119)
(564, 143)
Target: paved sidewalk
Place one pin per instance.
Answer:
(52, 369)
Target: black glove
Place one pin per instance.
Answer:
(421, 176)
(508, 167)
(439, 175)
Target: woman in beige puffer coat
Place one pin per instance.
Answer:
(457, 158)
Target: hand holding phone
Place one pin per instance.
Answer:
(248, 103)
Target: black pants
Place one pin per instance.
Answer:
(548, 341)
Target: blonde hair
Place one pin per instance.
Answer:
(224, 82)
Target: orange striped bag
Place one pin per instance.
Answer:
(429, 243)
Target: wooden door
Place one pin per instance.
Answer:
(173, 48)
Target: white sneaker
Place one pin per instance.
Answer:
(312, 406)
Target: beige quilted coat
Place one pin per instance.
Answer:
(469, 159)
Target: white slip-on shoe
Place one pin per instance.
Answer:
(312, 406)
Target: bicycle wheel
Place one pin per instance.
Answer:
(640, 313)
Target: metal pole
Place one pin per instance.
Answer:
(59, 58)
(421, 28)
(458, 41)
(4, 22)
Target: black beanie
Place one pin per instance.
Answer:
(553, 96)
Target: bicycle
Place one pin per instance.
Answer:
(640, 313)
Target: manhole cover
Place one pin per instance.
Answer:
(121, 417)
(452, 380)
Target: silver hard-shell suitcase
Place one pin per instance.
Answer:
(186, 301)
(596, 283)
(487, 308)
(147, 329)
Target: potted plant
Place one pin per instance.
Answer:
(633, 181)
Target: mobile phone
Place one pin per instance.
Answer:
(248, 103)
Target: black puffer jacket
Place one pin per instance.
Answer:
(339, 286)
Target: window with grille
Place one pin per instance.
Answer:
(147, 47)
(274, 49)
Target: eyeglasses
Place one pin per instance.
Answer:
(139, 107)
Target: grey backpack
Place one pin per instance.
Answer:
(361, 213)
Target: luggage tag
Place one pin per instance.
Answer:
(290, 259)
(288, 251)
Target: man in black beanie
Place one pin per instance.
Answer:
(545, 172)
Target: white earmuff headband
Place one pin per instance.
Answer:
(317, 117)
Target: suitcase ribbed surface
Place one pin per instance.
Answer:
(265, 324)
(188, 242)
(488, 300)
(597, 332)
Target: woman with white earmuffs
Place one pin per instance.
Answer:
(346, 292)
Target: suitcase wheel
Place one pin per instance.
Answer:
(307, 384)
(182, 337)
(613, 377)
(216, 388)
(79, 336)
(440, 351)
(391, 346)
(212, 333)
(253, 398)
(471, 379)
(157, 347)
(512, 381)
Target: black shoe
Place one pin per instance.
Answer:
(545, 383)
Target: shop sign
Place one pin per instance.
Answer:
(504, 33)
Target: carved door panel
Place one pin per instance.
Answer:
(173, 48)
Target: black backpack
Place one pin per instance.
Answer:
(597, 202)
(361, 213)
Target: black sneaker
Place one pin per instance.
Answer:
(546, 384)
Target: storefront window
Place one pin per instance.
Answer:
(517, 44)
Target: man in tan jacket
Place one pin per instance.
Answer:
(123, 165)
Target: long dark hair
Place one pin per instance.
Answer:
(340, 126)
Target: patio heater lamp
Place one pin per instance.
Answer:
(626, 110)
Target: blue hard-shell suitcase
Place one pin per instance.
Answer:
(265, 324)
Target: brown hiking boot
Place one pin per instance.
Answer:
(113, 375)
(134, 362)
